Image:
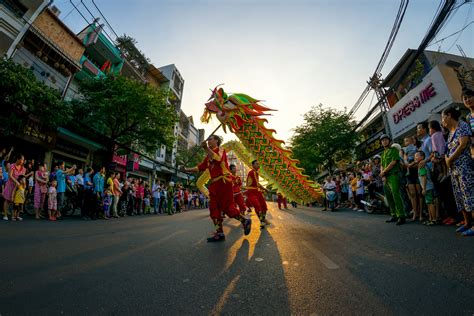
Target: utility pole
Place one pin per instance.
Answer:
(374, 83)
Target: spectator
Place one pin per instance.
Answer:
(117, 192)
(468, 100)
(329, 185)
(41, 189)
(89, 196)
(17, 169)
(427, 189)
(344, 189)
(99, 182)
(52, 200)
(353, 192)
(19, 198)
(80, 187)
(61, 174)
(390, 174)
(107, 201)
(376, 178)
(146, 199)
(422, 132)
(139, 193)
(156, 191)
(461, 166)
(412, 180)
(360, 190)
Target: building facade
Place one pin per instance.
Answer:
(420, 93)
(16, 16)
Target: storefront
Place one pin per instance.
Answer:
(438, 90)
(73, 149)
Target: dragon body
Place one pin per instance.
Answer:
(242, 115)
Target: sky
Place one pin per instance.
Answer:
(292, 54)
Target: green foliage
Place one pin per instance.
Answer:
(416, 75)
(22, 95)
(130, 51)
(189, 157)
(324, 138)
(127, 111)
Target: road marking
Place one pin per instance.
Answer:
(328, 263)
(259, 259)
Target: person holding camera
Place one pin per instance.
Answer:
(61, 174)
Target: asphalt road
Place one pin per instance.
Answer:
(307, 262)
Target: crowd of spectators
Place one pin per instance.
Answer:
(97, 194)
(430, 179)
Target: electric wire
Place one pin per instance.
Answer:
(395, 28)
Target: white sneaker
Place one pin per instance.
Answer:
(13, 219)
(354, 209)
(5, 218)
(19, 218)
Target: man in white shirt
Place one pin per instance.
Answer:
(156, 191)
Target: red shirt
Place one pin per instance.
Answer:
(217, 164)
(236, 184)
(252, 181)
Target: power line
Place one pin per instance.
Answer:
(106, 21)
(460, 33)
(431, 33)
(395, 28)
(466, 26)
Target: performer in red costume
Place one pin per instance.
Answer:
(237, 189)
(255, 196)
(221, 199)
(281, 199)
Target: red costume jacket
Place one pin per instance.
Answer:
(236, 184)
(217, 165)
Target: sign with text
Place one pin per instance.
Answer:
(431, 96)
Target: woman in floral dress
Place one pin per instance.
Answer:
(461, 166)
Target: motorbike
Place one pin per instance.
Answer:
(331, 197)
(379, 204)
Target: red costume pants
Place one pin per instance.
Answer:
(256, 200)
(281, 200)
(221, 199)
(239, 200)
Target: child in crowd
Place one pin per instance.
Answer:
(427, 187)
(360, 191)
(353, 189)
(107, 202)
(146, 199)
(52, 200)
(19, 198)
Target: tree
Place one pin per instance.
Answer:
(325, 137)
(23, 97)
(127, 112)
(189, 157)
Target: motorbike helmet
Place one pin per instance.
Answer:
(376, 157)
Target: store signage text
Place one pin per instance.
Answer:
(424, 96)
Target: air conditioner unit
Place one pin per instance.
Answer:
(55, 10)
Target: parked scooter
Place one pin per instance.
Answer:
(377, 205)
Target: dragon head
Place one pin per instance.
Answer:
(232, 110)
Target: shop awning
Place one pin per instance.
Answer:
(73, 137)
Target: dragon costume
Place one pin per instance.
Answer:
(242, 115)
